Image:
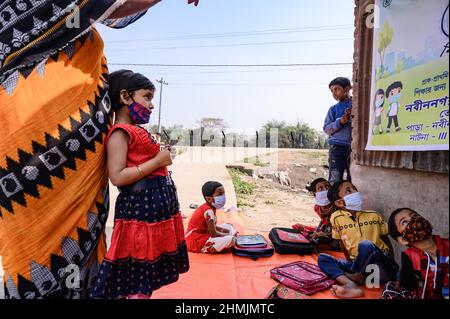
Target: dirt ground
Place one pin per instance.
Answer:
(276, 205)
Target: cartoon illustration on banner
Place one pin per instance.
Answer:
(410, 77)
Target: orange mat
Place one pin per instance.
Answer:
(225, 276)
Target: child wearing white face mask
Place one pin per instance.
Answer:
(379, 110)
(320, 235)
(363, 238)
(203, 234)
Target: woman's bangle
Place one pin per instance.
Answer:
(141, 172)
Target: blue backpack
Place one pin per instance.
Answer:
(252, 246)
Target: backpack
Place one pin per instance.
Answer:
(289, 241)
(303, 277)
(283, 292)
(252, 246)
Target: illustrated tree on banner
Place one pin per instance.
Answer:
(385, 38)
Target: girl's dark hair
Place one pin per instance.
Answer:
(393, 231)
(333, 191)
(312, 187)
(126, 80)
(379, 92)
(209, 188)
(395, 85)
(341, 81)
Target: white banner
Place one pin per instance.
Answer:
(409, 109)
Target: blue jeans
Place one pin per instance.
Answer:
(368, 254)
(338, 161)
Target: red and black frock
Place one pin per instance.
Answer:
(148, 248)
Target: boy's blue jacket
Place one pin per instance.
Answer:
(339, 134)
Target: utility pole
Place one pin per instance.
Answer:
(162, 82)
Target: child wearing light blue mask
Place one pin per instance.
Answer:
(379, 110)
(362, 235)
(204, 235)
(393, 94)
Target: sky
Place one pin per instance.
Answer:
(239, 32)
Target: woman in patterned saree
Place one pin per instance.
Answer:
(55, 113)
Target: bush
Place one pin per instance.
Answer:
(240, 186)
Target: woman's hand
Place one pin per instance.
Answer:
(131, 7)
(164, 158)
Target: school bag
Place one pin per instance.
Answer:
(302, 276)
(252, 246)
(289, 241)
(283, 292)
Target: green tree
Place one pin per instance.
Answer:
(213, 123)
(385, 37)
(323, 141)
(303, 136)
(270, 128)
(274, 124)
(300, 135)
(210, 130)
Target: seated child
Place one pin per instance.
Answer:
(321, 235)
(203, 234)
(363, 239)
(425, 262)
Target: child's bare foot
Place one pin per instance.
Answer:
(347, 291)
(333, 289)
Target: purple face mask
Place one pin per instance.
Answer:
(139, 114)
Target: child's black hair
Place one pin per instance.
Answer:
(379, 92)
(312, 187)
(393, 231)
(395, 85)
(341, 81)
(209, 188)
(126, 80)
(333, 191)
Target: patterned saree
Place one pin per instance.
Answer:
(54, 115)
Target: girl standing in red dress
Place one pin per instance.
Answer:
(148, 249)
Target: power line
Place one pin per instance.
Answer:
(240, 34)
(256, 71)
(248, 84)
(231, 45)
(231, 65)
